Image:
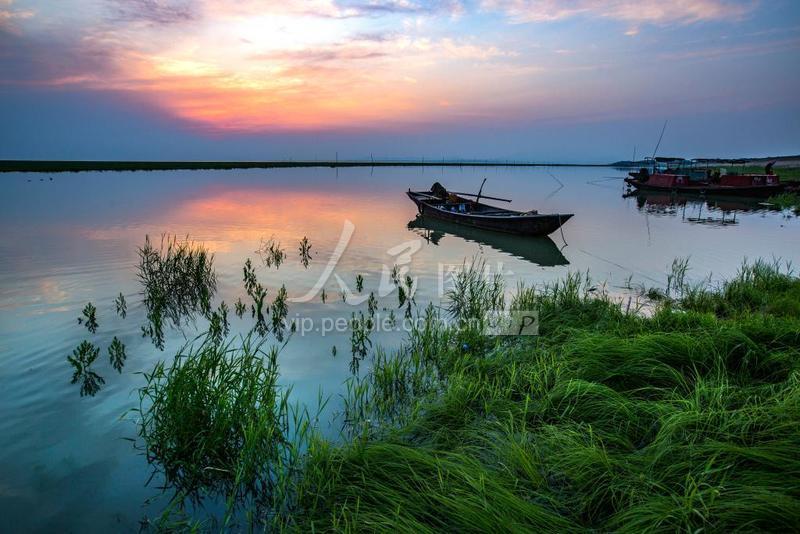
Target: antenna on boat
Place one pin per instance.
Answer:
(480, 191)
(660, 137)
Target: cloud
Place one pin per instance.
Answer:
(632, 11)
(153, 11)
(335, 9)
(378, 8)
(9, 15)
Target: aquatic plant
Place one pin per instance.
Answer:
(178, 281)
(323, 296)
(361, 327)
(89, 318)
(676, 279)
(214, 422)
(218, 325)
(359, 283)
(271, 253)
(239, 308)
(305, 252)
(121, 305)
(372, 304)
(81, 360)
(116, 354)
(787, 201)
(473, 293)
(257, 293)
(279, 311)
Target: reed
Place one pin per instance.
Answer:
(178, 282)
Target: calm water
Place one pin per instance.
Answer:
(73, 240)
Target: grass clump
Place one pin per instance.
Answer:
(214, 424)
(178, 281)
(787, 201)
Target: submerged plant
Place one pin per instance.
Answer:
(89, 318)
(360, 342)
(271, 252)
(279, 311)
(122, 305)
(323, 296)
(257, 293)
(178, 281)
(305, 252)
(81, 360)
(218, 325)
(116, 354)
(372, 304)
(239, 308)
(359, 283)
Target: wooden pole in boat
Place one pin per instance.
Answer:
(482, 196)
(480, 191)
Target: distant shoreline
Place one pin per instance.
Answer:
(79, 166)
(55, 166)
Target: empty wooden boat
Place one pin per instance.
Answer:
(451, 207)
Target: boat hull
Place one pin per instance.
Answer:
(760, 191)
(517, 224)
(540, 250)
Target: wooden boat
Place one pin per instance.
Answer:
(440, 204)
(540, 250)
(676, 180)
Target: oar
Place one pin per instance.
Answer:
(482, 196)
(479, 195)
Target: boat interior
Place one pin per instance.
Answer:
(458, 204)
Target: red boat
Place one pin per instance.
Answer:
(676, 180)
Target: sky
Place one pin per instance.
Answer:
(544, 80)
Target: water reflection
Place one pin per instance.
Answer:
(707, 210)
(539, 250)
(76, 240)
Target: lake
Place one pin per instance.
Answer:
(70, 239)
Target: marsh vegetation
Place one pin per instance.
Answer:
(685, 418)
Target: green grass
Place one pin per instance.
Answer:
(214, 423)
(687, 419)
(787, 201)
(609, 421)
(786, 174)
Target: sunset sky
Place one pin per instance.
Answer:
(579, 80)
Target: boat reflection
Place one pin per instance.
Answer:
(539, 250)
(707, 210)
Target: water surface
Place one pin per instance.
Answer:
(73, 239)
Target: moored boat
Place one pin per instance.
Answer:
(705, 182)
(447, 206)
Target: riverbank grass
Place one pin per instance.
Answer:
(686, 419)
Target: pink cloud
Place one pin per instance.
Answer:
(632, 11)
